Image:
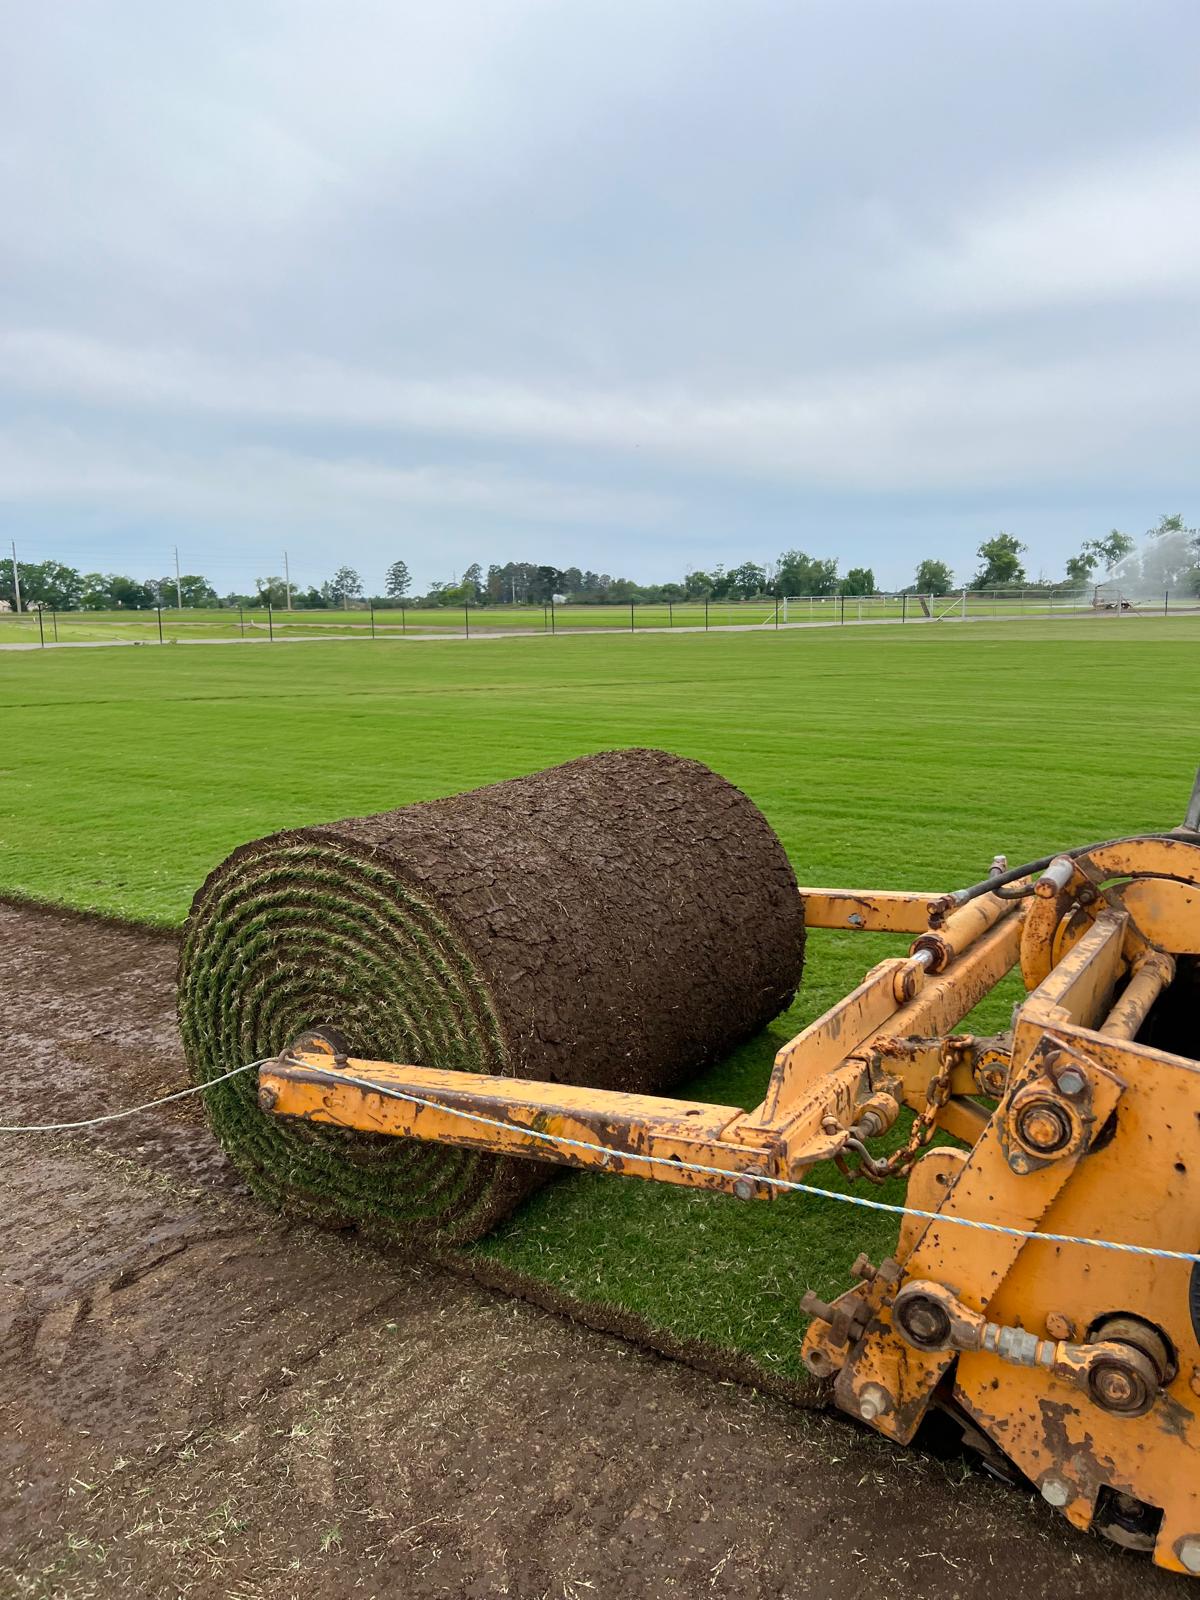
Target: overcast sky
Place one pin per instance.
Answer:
(634, 284)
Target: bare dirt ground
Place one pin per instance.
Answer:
(196, 1399)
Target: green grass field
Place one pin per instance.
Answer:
(889, 757)
(142, 627)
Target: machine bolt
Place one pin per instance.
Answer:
(267, 1098)
(1044, 1127)
(744, 1189)
(1116, 1388)
(863, 1269)
(924, 1322)
(872, 1401)
(1072, 1082)
(1058, 1325)
(1189, 1553)
(1055, 1492)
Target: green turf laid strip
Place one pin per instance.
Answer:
(620, 921)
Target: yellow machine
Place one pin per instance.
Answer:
(1046, 1287)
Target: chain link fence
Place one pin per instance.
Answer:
(46, 627)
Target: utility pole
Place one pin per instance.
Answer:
(287, 580)
(16, 576)
(178, 590)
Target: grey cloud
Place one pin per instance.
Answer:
(650, 279)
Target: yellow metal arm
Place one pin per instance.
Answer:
(643, 1136)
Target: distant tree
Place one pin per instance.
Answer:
(1094, 552)
(697, 585)
(94, 594)
(1081, 567)
(192, 589)
(672, 591)
(346, 584)
(747, 580)
(1167, 524)
(197, 591)
(127, 593)
(859, 580)
(397, 581)
(49, 583)
(1001, 559)
(933, 577)
(547, 581)
(271, 591)
(514, 583)
(801, 574)
(722, 582)
(1171, 555)
(473, 586)
(1116, 546)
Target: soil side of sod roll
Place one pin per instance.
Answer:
(622, 921)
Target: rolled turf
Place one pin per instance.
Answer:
(621, 921)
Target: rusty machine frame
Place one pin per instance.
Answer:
(1045, 1287)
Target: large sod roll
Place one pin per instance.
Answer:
(620, 921)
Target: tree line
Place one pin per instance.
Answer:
(1169, 559)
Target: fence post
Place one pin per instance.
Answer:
(777, 613)
(903, 608)
(670, 615)
(552, 627)
(403, 621)
(241, 623)
(631, 616)
(466, 622)
(157, 608)
(270, 623)
(372, 605)
(54, 620)
(843, 600)
(1166, 602)
(41, 628)
(706, 613)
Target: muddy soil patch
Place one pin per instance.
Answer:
(197, 1399)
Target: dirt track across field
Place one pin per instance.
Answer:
(196, 1399)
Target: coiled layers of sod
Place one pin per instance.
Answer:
(621, 921)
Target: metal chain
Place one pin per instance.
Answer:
(900, 1162)
(878, 1169)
